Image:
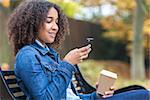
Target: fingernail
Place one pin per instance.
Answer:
(89, 49)
(89, 45)
(106, 92)
(104, 96)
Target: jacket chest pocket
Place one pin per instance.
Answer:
(50, 70)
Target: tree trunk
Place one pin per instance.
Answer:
(137, 61)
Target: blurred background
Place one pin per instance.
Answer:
(121, 32)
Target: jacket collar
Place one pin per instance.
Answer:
(44, 49)
(40, 48)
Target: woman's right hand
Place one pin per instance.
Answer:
(77, 55)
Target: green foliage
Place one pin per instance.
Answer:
(146, 8)
(14, 3)
(70, 8)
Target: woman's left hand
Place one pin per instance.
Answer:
(109, 93)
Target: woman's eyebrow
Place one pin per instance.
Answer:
(49, 17)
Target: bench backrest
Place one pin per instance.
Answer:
(11, 90)
(9, 87)
(81, 84)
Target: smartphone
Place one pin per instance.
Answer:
(86, 41)
(89, 40)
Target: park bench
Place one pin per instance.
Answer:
(9, 89)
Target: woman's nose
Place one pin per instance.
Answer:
(55, 26)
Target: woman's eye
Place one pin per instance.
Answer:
(48, 21)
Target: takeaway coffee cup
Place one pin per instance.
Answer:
(106, 80)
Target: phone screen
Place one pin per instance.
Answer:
(89, 40)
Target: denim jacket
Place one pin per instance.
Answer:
(42, 75)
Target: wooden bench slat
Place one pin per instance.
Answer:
(11, 81)
(7, 73)
(15, 89)
(21, 97)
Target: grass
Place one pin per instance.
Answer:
(91, 72)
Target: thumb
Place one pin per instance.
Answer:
(96, 85)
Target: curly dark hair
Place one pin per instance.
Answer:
(28, 18)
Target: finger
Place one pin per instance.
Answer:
(106, 96)
(84, 53)
(85, 48)
(109, 92)
(89, 50)
(81, 60)
(96, 85)
(112, 88)
(89, 45)
(83, 57)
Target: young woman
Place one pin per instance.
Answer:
(36, 29)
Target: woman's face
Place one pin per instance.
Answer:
(48, 32)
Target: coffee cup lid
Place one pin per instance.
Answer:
(108, 73)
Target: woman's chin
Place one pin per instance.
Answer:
(52, 41)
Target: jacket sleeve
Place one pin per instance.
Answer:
(43, 86)
(91, 96)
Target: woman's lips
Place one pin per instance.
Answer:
(52, 34)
